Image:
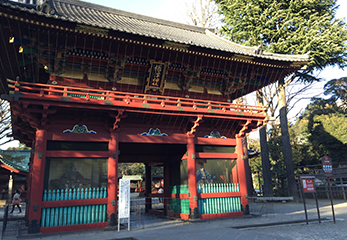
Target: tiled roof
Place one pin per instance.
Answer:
(108, 18)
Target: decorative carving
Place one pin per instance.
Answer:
(46, 7)
(215, 135)
(227, 87)
(189, 74)
(154, 132)
(196, 124)
(234, 81)
(117, 120)
(259, 49)
(114, 70)
(60, 58)
(79, 129)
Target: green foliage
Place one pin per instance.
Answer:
(293, 27)
(324, 130)
(321, 130)
(337, 90)
(255, 161)
(131, 168)
(288, 27)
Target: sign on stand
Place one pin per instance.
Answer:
(307, 183)
(124, 201)
(327, 166)
(328, 173)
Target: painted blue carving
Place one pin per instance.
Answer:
(79, 129)
(215, 135)
(154, 132)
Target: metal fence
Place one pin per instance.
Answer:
(11, 225)
(338, 180)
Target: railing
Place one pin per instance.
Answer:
(208, 205)
(73, 194)
(71, 215)
(132, 100)
(219, 204)
(62, 216)
(218, 187)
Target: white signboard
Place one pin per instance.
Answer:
(124, 201)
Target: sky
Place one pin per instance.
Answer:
(174, 10)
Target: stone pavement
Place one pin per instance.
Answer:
(267, 221)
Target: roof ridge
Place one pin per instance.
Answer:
(133, 15)
(247, 48)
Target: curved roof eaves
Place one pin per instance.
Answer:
(99, 16)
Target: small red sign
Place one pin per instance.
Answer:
(308, 184)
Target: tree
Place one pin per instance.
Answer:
(288, 27)
(131, 169)
(337, 89)
(268, 189)
(322, 128)
(203, 13)
(5, 121)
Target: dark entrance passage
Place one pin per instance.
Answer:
(162, 169)
(150, 152)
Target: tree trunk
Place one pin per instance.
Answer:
(265, 160)
(287, 150)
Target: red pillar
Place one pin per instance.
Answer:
(166, 186)
(112, 184)
(242, 174)
(234, 172)
(192, 184)
(148, 187)
(36, 184)
(28, 181)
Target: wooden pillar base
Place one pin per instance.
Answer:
(33, 227)
(112, 220)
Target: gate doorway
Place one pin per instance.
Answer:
(161, 163)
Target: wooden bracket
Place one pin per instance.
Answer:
(242, 132)
(196, 124)
(117, 120)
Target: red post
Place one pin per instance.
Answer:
(148, 187)
(36, 183)
(192, 184)
(234, 173)
(166, 186)
(112, 175)
(242, 174)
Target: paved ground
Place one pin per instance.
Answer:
(280, 218)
